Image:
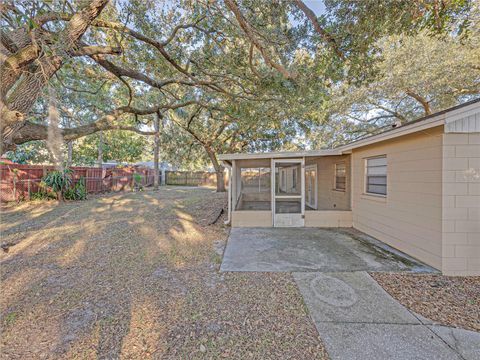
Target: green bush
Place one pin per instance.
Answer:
(137, 178)
(42, 195)
(58, 181)
(77, 192)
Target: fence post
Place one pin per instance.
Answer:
(28, 187)
(101, 180)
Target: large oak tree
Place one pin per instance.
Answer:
(241, 65)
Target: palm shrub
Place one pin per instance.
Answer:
(58, 181)
(137, 178)
(78, 191)
(42, 195)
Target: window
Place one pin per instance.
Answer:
(340, 176)
(376, 176)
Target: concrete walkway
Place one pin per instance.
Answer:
(357, 319)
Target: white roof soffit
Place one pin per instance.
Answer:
(279, 155)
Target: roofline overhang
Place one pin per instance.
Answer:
(394, 133)
(278, 155)
(437, 119)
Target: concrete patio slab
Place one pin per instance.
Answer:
(382, 341)
(312, 249)
(466, 343)
(350, 297)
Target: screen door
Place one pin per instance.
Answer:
(288, 193)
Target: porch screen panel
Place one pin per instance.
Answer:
(287, 179)
(288, 188)
(288, 206)
(255, 192)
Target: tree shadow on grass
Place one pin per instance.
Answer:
(85, 285)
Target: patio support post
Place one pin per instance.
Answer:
(229, 192)
(156, 150)
(233, 180)
(272, 189)
(302, 173)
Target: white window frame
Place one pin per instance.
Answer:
(335, 176)
(366, 176)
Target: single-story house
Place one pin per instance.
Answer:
(415, 187)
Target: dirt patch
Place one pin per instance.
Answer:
(448, 300)
(135, 275)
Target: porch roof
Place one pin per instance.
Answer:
(281, 154)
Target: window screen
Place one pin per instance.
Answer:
(255, 191)
(340, 176)
(376, 175)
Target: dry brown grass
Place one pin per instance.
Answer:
(448, 300)
(136, 276)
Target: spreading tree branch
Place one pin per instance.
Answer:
(90, 50)
(251, 36)
(424, 102)
(319, 29)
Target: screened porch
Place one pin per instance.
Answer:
(289, 192)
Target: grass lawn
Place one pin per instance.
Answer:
(135, 275)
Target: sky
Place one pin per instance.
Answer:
(317, 6)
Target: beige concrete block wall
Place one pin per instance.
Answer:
(327, 197)
(328, 218)
(247, 218)
(461, 204)
(409, 218)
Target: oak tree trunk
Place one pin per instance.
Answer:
(219, 170)
(100, 150)
(156, 150)
(69, 153)
(25, 72)
(220, 180)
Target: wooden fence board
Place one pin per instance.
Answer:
(18, 182)
(192, 178)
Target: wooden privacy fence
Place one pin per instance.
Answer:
(19, 182)
(192, 178)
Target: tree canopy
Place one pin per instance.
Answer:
(229, 75)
